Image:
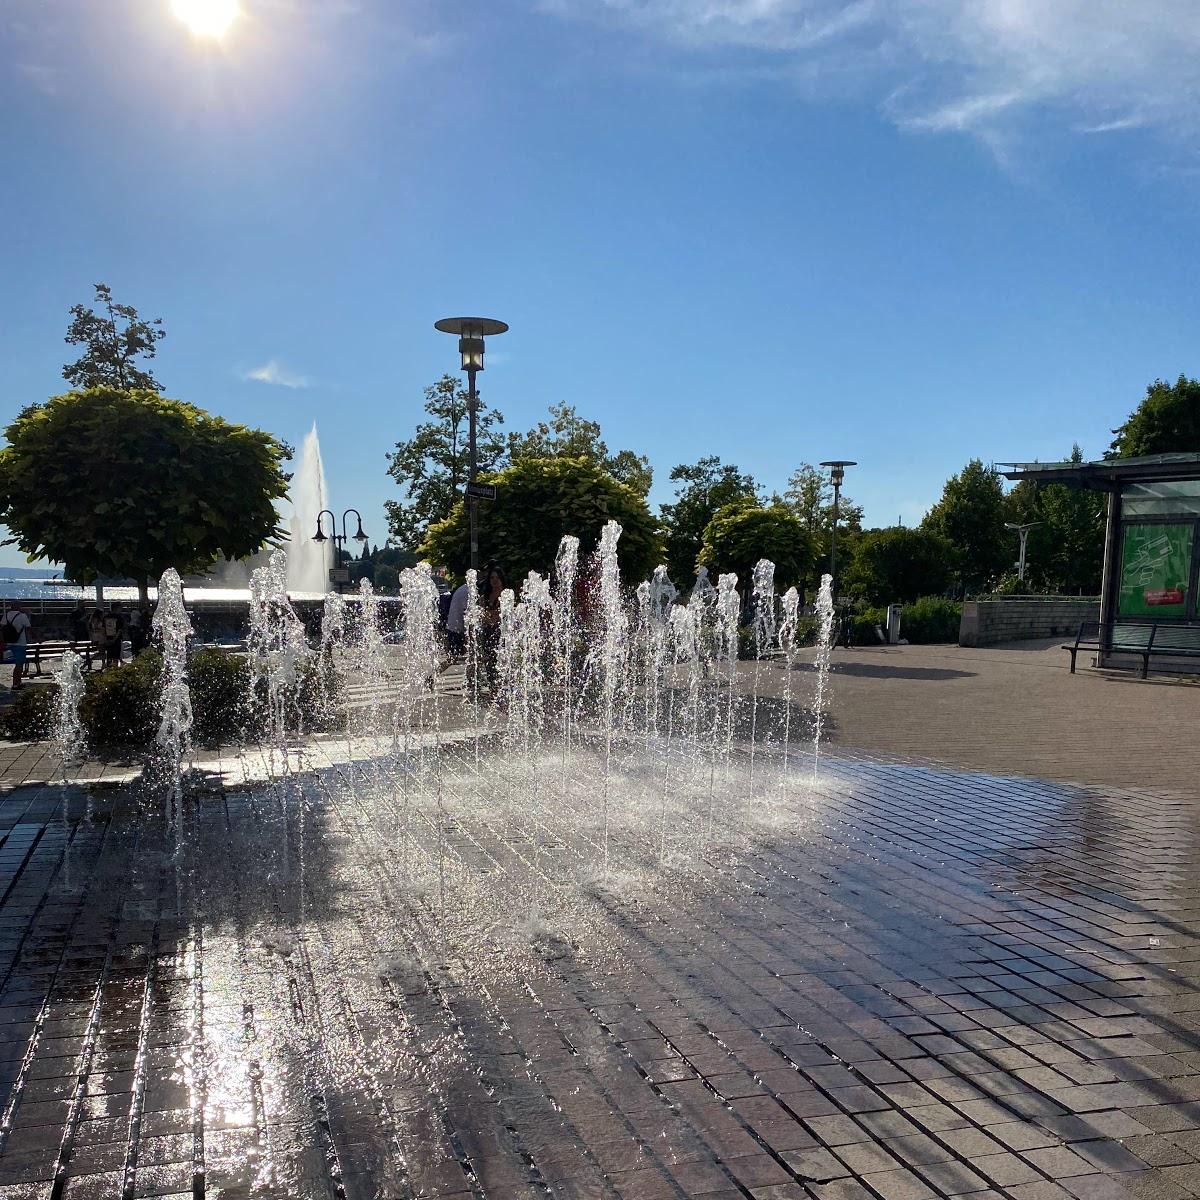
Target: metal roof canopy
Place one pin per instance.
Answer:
(1111, 474)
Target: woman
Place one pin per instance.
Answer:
(491, 584)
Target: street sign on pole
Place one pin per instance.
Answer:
(482, 491)
(339, 574)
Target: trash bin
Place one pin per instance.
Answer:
(893, 624)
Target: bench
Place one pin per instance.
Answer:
(1125, 637)
(1144, 640)
(1177, 641)
(37, 651)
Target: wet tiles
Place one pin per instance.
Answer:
(899, 982)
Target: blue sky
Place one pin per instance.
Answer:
(905, 232)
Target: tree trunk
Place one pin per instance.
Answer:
(99, 593)
(144, 593)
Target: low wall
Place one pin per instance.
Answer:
(1015, 618)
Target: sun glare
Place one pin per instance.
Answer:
(206, 18)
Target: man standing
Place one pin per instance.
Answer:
(456, 627)
(15, 627)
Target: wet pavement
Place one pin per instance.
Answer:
(909, 983)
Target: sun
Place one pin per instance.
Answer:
(206, 18)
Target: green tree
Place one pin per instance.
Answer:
(970, 516)
(115, 337)
(707, 486)
(743, 532)
(1166, 422)
(116, 484)
(809, 495)
(898, 565)
(434, 464)
(538, 500)
(1065, 552)
(566, 434)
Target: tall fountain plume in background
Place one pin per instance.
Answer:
(308, 561)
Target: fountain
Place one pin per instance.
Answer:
(308, 562)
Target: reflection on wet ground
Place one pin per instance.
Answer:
(895, 983)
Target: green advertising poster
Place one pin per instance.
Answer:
(1156, 561)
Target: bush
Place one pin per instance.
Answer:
(120, 704)
(220, 687)
(930, 619)
(863, 624)
(30, 717)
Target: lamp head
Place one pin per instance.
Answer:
(319, 536)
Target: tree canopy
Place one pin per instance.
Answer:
(898, 565)
(706, 486)
(568, 435)
(433, 465)
(743, 532)
(538, 500)
(970, 516)
(1065, 552)
(123, 484)
(1166, 422)
(115, 337)
(809, 495)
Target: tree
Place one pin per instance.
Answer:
(116, 484)
(970, 516)
(115, 338)
(1166, 422)
(1065, 552)
(809, 495)
(743, 532)
(898, 565)
(538, 500)
(567, 434)
(434, 464)
(707, 486)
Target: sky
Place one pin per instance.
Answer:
(905, 232)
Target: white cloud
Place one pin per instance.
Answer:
(274, 372)
(1095, 66)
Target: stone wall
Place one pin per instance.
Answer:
(1015, 618)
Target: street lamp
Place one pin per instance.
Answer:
(1023, 531)
(339, 539)
(470, 332)
(837, 472)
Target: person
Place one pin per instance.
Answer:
(456, 622)
(114, 635)
(491, 584)
(15, 628)
(139, 631)
(79, 624)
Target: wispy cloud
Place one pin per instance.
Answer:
(274, 372)
(971, 66)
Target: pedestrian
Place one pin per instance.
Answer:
(490, 585)
(79, 625)
(114, 634)
(16, 626)
(139, 630)
(456, 622)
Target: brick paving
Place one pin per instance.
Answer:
(912, 982)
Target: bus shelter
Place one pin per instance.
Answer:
(1151, 569)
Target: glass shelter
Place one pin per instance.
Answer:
(1152, 539)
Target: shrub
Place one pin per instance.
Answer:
(930, 619)
(220, 687)
(30, 717)
(120, 704)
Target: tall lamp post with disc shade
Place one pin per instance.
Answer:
(837, 472)
(470, 332)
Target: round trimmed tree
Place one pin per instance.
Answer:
(538, 500)
(123, 484)
(743, 532)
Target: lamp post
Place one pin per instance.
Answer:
(837, 472)
(1023, 532)
(339, 539)
(470, 332)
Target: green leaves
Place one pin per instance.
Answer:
(128, 483)
(538, 501)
